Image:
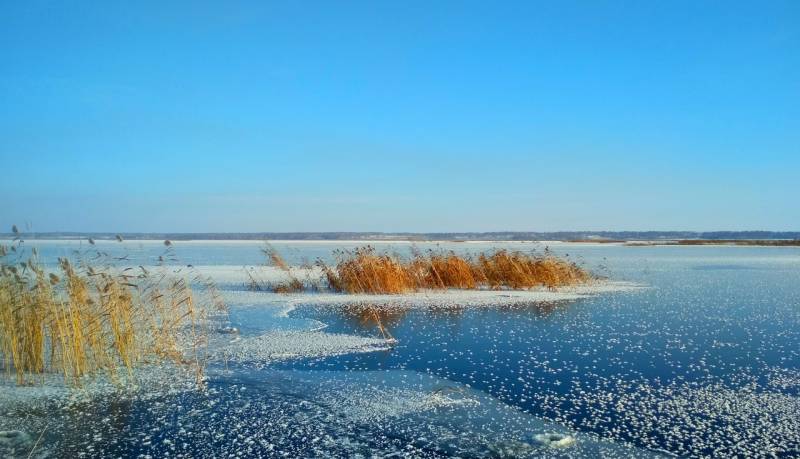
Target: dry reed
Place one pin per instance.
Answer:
(291, 285)
(363, 270)
(96, 318)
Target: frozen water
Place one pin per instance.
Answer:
(282, 345)
(691, 351)
(447, 299)
(315, 414)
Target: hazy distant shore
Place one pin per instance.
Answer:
(754, 238)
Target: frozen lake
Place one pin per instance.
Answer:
(702, 358)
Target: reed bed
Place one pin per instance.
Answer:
(363, 270)
(90, 317)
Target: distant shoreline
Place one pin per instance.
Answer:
(633, 239)
(705, 242)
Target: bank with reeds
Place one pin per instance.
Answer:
(87, 317)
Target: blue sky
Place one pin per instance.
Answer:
(400, 116)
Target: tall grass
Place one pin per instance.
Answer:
(90, 317)
(363, 270)
(292, 284)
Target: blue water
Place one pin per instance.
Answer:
(705, 361)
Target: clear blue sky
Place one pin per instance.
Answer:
(400, 116)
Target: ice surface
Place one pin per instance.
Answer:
(703, 363)
(310, 414)
(434, 298)
(282, 345)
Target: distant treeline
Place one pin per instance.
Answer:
(490, 236)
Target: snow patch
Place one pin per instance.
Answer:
(283, 345)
